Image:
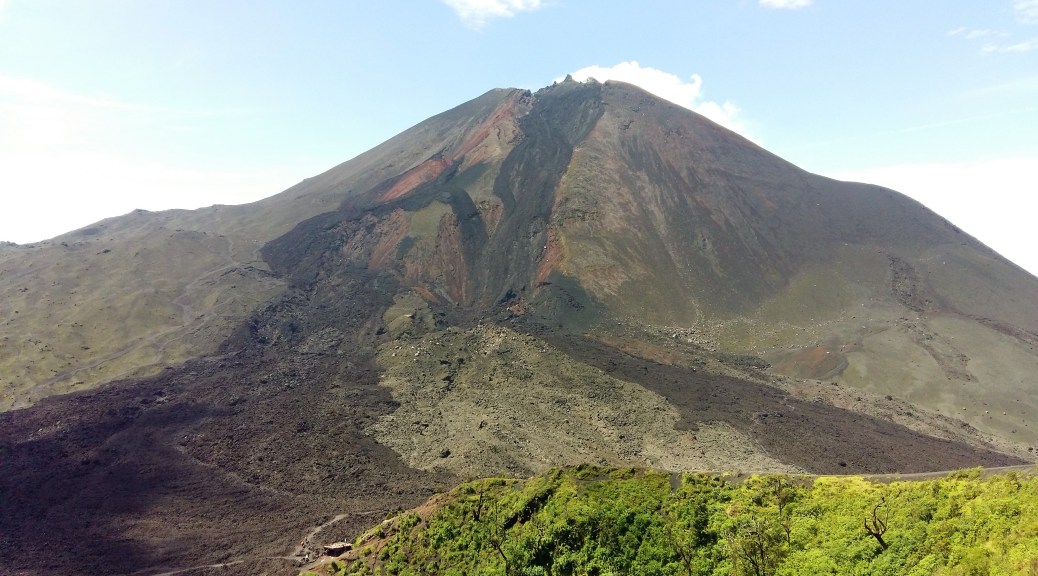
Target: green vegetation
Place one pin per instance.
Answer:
(597, 521)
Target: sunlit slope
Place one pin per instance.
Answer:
(603, 204)
(579, 274)
(669, 219)
(130, 295)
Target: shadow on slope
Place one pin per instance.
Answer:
(817, 436)
(224, 458)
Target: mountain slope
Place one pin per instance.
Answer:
(130, 295)
(643, 213)
(667, 217)
(584, 273)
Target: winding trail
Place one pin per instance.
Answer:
(203, 567)
(297, 556)
(162, 339)
(1025, 468)
(298, 552)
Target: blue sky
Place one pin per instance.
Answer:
(111, 105)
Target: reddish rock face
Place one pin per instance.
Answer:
(652, 211)
(593, 205)
(422, 174)
(473, 222)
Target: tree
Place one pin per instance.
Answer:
(495, 531)
(687, 527)
(877, 527)
(756, 544)
(784, 492)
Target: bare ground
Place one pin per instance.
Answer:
(490, 400)
(233, 457)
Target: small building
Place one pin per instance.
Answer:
(337, 548)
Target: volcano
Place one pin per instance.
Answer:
(586, 273)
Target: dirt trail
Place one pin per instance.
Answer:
(189, 322)
(193, 568)
(297, 554)
(297, 557)
(185, 308)
(1023, 468)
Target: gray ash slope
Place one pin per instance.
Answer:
(586, 218)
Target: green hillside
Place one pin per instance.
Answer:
(588, 520)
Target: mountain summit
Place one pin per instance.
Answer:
(582, 274)
(596, 204)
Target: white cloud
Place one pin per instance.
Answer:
(48, 195)
(982, 33)
(37, 117)
(1026, 11)
(991, 45)
(476, 13)
(785, 4)
(669, 87)
(26, 89)
(1025, 46)
(975, 33)
(992, 200)
(67, 160)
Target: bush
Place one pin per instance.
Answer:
(626, 521)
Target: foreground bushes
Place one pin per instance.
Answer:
(595, 521)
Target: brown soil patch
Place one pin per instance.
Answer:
(551, 257)
(423, 173)
(818, 363)
(488, 140)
